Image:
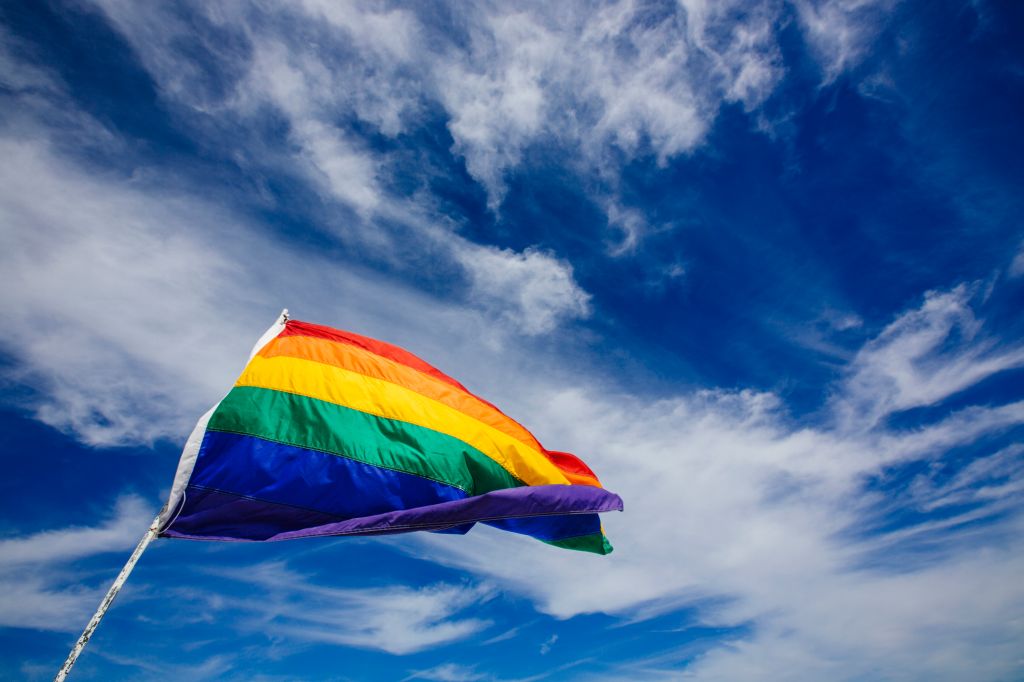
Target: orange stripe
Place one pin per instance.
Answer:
(569, 463)
(381, 398)
(381, 348)
(355, 359)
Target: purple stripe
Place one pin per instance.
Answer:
(208, 514)
(202, 517)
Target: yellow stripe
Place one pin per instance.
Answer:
(372, 365)
(385, 399)
(363, 362)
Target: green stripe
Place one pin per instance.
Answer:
(595, 542)
(310, 423)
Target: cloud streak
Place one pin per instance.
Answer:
(397, 620)
(756, 521)
(840, 545)
(37, 575)
(764, 514)
(616, 82)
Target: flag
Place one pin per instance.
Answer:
(329, 433)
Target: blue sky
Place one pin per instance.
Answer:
(761, 264)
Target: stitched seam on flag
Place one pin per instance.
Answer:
(344, 456)
(497, 457)
(429, 377)
(399, 421)
(260, 499)
(503, 464)
(478, 458)
(445, 380)
(530, 441)
(399, 527)
(524, 443)
(477, 519)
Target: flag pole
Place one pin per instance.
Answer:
(105, 604)
(188, 458)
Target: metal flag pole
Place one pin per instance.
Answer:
(105, 604)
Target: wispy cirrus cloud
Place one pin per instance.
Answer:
(602, 84)
(396, 619)
(760, 510)
(367, 66)
(448, 672)
(922, 358)
(734, 509)
(1017, 265)
(756, 521)
(623, 79)
(540, 287)
(46, 593)
(841, 31)
(44, 590)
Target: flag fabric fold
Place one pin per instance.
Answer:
(330, 433)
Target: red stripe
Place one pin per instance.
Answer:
(563, 460)
(566, 461)
(385, 350)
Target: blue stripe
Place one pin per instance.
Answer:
(551, 527)
(284, 474)
(314, 482)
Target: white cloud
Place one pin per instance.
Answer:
(216, 667)
(618, 79)
(131, 303)
(131, 307)
(631, 223)
(733, 509)
(316, 89)
(106, 296)
(545, 648)
(756, 510)
(46, 592)
(740, 40)
(544, 289)
(921, 358)
(18, 76)
(389, 34)
(41, 591)
(398, 620)
(840, 32)
(127, 526)
(348, 174)
(600, 83)
(1017, 266)
(495, 95)
(299, 85)
(448, 672)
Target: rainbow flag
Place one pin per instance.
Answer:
(331, 433)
